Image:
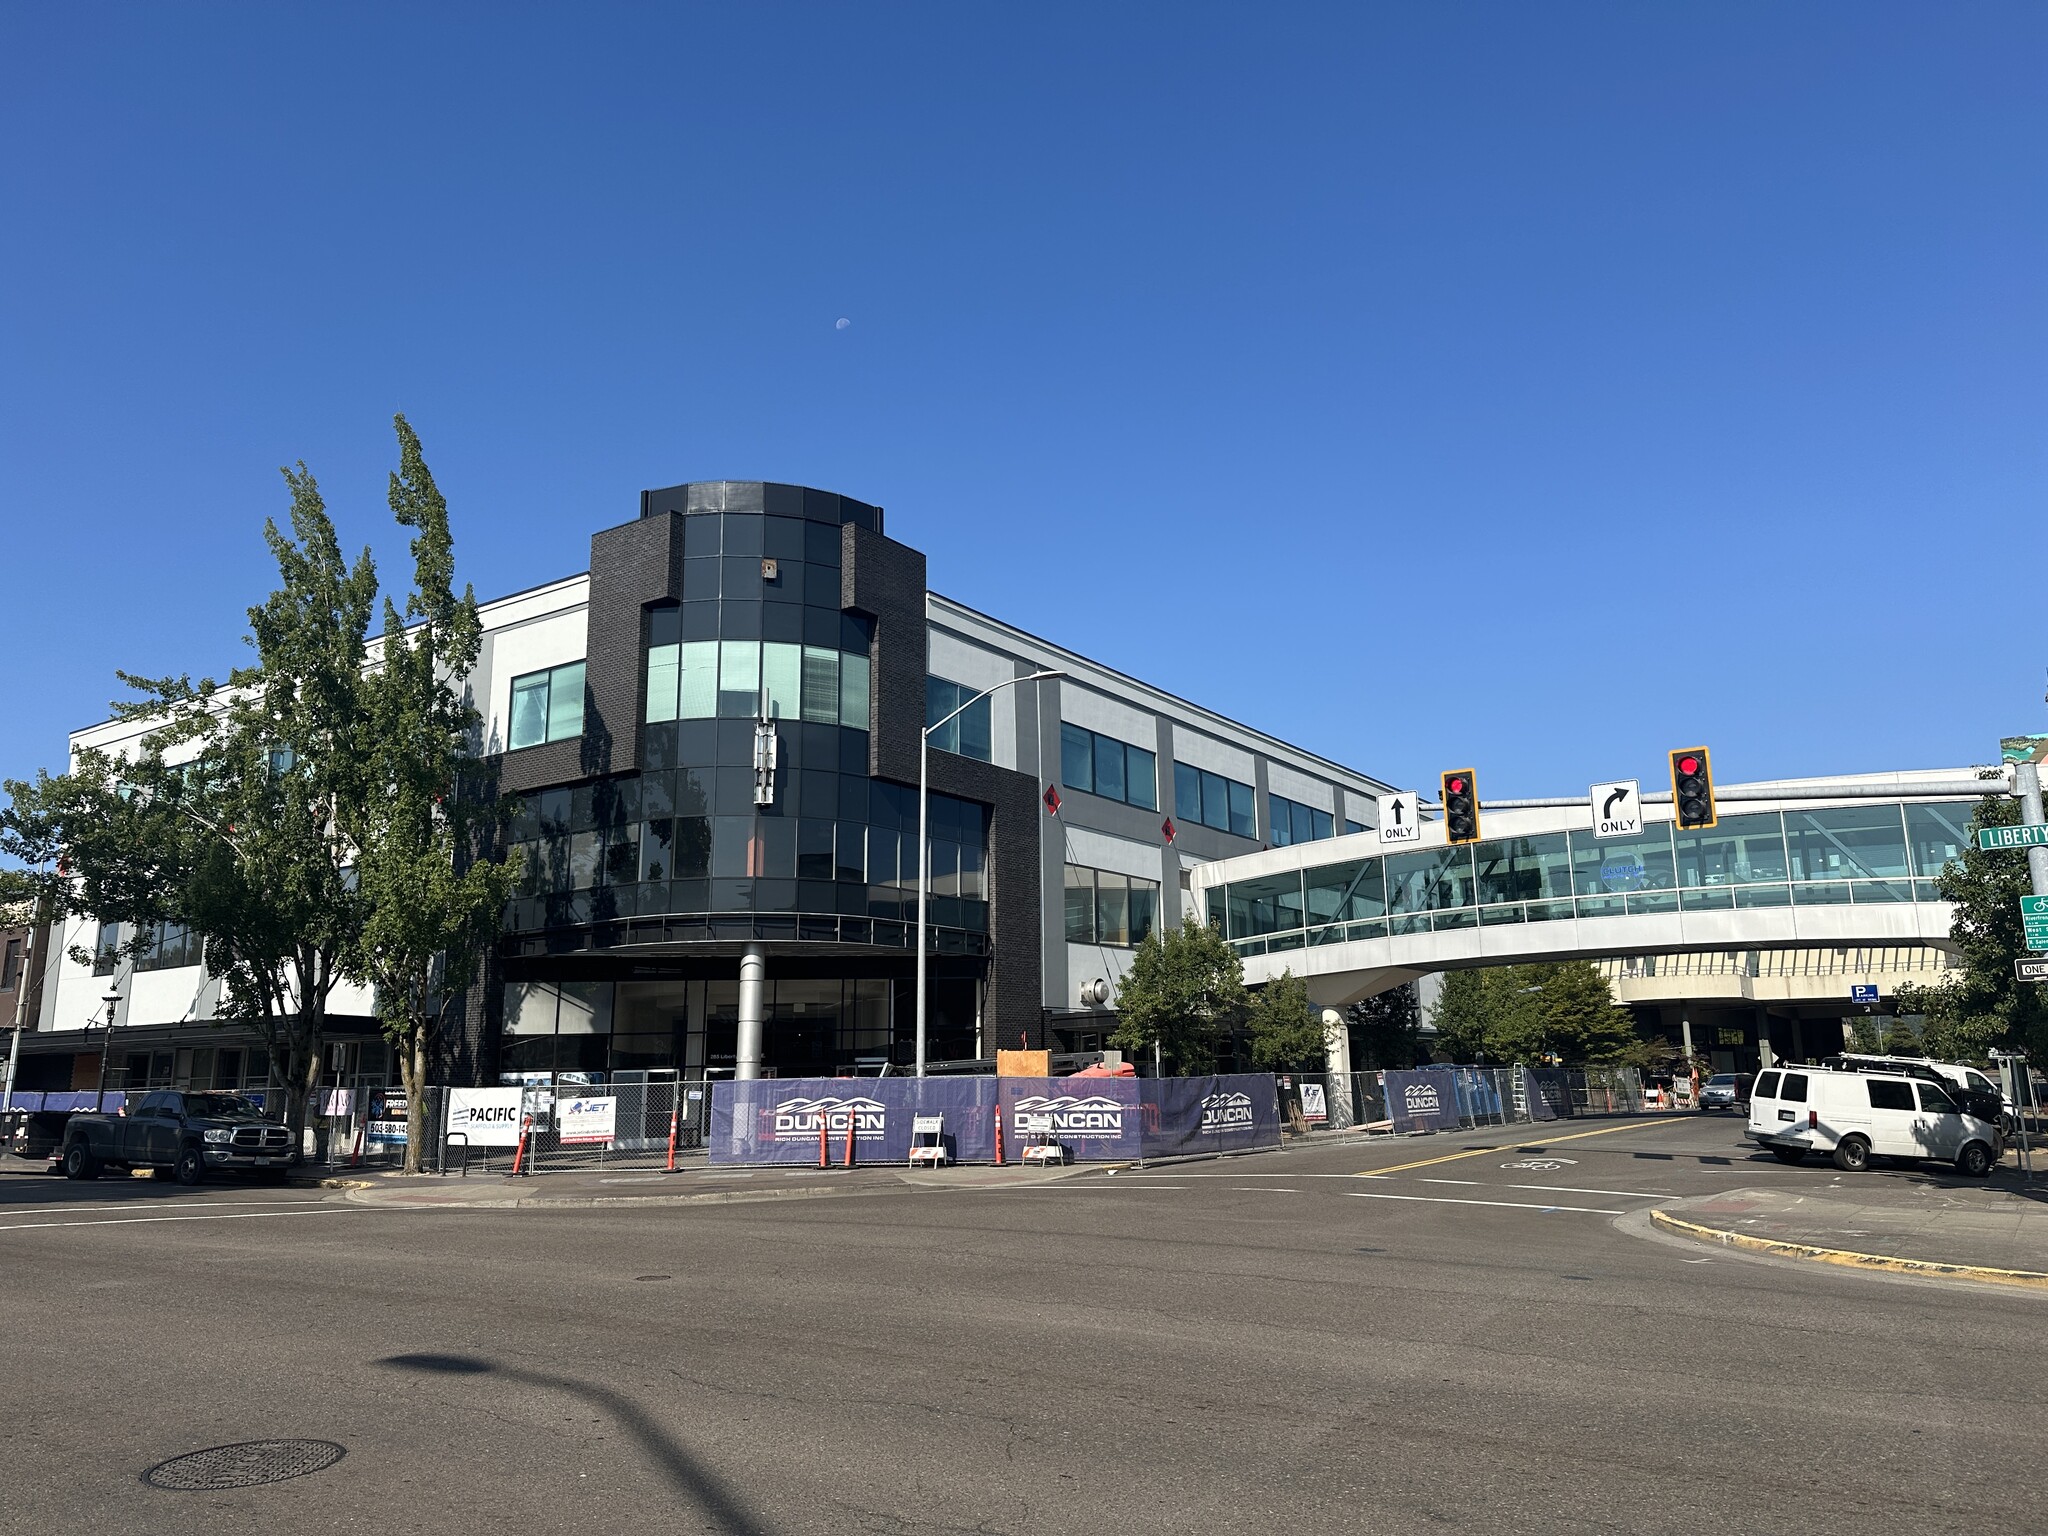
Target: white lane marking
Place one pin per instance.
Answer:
(1264, 1189)
(124, 1221)
(1519, 1205)
(183, 1205)
(1474, 1183)
(1568, 1189)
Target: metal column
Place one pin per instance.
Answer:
(753, 990)
(2028, 782)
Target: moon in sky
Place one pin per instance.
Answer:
(841, 323)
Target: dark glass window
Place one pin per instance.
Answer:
(1793, 1091)
(1104, 907)
(1077, 757)
(970, 733)
(1104, 766)
(1934, 1102)
(547, 706)
(1889, 1095)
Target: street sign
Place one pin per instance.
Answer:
(1401, 817)
(1618, 809)
(1863, 994)
(2034, 914)
(2028, 834)
(2030, 970)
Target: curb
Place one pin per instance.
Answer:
(589, 1202)
(2026, 1278)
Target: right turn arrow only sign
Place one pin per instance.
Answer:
(1618, 809)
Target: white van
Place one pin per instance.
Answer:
(1859, 1115)
(1962, 1074)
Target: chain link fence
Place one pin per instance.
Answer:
(1340, 1101)
(655, 1122)
(643, 1122)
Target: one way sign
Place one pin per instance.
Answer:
(1400, 818)
(1618, 809)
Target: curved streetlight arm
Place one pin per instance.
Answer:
(924, 847)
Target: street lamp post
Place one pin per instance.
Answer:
(113, 1001)
(924, 847)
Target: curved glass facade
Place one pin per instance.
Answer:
(1880, 852)
(758, 633)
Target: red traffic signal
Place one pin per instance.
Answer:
(1692, 788)
(1461, 806)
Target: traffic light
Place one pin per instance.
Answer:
(1461, 806)
(1692, 788)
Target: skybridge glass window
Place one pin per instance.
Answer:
(547, 706)
(1849, 842)
(1937, 835)
(1535, 868)
(1742, 850)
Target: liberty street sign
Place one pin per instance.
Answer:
(2028, 834)
(1400, 817)
(1618, 809)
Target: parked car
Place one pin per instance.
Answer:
(1854, 1116)
(1726, 1090)
(191, 1134)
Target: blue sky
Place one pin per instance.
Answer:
(1527, 387)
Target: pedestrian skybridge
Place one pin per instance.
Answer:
(1791, 864)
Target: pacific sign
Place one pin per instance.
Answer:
(485, 1117)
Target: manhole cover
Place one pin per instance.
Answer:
(248, 1465)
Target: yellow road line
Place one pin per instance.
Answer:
(2031, 1279)
(1452, 1157)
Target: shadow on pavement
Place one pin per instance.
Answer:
(682, 1469)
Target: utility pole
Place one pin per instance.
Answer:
(2028, 782)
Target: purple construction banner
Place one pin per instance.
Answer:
(1550, 1093)
(1184, 1115)
(1094, 1119)
(777, 1120)
(1425, 1100)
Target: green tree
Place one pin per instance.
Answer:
(432, 896)
(1387, 1029)
(1980, 1006)
(227, 818)
(1184, 990)
(1522, 1013)
(1463, 1016)
(1579, 1018)
(1286, 1029)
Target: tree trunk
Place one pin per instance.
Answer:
(412, 1067)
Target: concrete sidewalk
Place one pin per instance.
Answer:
(1900, 1222)
(691, 1186)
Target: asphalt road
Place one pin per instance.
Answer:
(1470, 1341)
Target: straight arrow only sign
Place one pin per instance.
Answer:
(1400, 818)
(1617, 808)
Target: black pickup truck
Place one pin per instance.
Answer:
(191, 1134)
